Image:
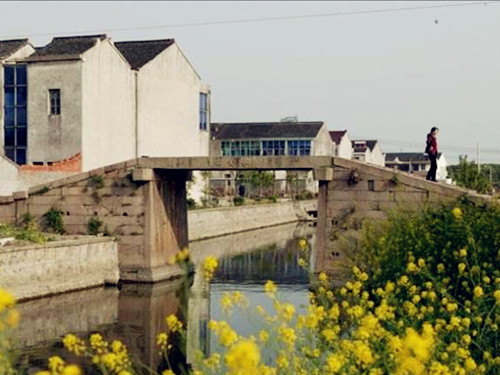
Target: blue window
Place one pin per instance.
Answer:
(15, 113)
(203, 111)
(300, 147)
(270, 148)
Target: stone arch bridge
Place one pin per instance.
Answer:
(143, 202)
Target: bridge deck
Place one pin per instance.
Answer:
(237, 163)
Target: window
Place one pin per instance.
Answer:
(203, 111)
(54, 101)
(301, 148)
(270, 148)
(15, 113)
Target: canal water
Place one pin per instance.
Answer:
(135, 313)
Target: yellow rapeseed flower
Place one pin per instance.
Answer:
(72, 370)
(270, 288)
(209, 265)
(303, 244)
(243, 358)
(457, 212)
(173, 323)
(478, 291)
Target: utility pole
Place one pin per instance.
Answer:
(478, 162)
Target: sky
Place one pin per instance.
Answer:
(368, 67)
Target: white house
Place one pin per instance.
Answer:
(83, 102)
(368, 151)
(342, 144)
(417, 163)
(283, 138)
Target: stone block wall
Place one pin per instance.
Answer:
(56, 267)
(357, 191)
(131, 207)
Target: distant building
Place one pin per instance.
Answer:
(368, 151)
(342, 144)
(269, 139)
(83, 102)
(416, 163)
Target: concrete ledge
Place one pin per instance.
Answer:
(323, 174)
(142, 174)
(36, 270)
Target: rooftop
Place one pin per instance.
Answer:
(139, 53)
(337, 135)
(8, 47)
(248, 130)
(362, 145)
(407, 157)
(66, 46)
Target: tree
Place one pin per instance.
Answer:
(466, 174)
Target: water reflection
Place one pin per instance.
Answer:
(136, 313)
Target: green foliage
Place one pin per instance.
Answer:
(304, 195)
(273, 198)
(97, 182)
(94, 225)
(256, 179)
(28, 231)
(54, 221)
(42, 191)
(239, 201)
(394, 179)
(457, 246)
(191, 204)
(466, 174)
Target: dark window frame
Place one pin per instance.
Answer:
(203, 106)
(16, 82)
(54, 102)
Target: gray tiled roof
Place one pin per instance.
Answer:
(337, 135)
(249, 130)
(407, 156)
(370, 144)
(66, 46)
(138, 53)
(8, 47)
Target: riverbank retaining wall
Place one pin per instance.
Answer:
(38, 270)
(213, 222)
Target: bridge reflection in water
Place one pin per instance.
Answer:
(136, 313)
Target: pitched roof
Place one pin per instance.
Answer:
(8, 47)
(66, 46)
(248, 130)
(361, 145)
(337, 135)
(407, 156)
(139, 53)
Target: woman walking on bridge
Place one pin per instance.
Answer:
(432, 150)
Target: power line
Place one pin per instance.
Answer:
(265, 19)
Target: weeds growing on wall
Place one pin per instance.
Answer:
(94, 225)
(54, 221)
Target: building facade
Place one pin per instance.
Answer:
(269, 139)
(368, 151)
(417, 163)
(342, 144)
(83, 102)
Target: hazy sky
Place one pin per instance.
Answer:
(381, 75)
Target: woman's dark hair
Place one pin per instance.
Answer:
(434, 129)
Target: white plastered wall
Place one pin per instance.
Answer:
(54, 138)
(344, 148)
(168, 107)
(108, 107)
